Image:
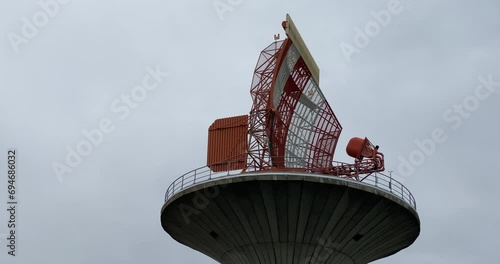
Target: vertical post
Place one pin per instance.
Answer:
(390, 181)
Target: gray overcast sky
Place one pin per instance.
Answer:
(73, 65)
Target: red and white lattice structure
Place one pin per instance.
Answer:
(291, 124)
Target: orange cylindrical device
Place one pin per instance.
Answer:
(360, 148)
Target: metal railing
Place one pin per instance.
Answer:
(388, 184)
(197, 176)
(205, 174)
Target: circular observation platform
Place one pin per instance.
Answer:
(289, 217)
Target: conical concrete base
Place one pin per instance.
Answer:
(283, 218)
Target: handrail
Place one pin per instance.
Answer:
(205, 174)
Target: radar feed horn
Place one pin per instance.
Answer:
(359, 148)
